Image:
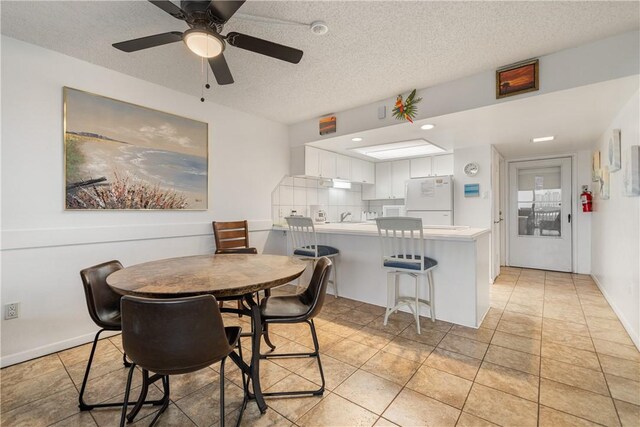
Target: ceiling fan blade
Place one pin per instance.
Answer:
(224, 9)
(265, 47)
(221, 70)
(170, 8)
(149, 41)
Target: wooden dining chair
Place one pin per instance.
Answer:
(232, 237)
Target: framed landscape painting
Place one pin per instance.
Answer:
(122, 156)
(517, 78)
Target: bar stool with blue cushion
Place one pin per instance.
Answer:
(403, 254)
(305, 245)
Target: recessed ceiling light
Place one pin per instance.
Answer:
(427, 126)
(395, 150)
(543, 139)
(356, 139)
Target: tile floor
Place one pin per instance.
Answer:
(550, 352)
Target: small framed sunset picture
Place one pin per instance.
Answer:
(517, 78)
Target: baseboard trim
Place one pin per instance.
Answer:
(618, 312)
(44, 350)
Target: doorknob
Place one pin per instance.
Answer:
(569, 218)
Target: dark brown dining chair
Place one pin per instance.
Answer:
(232, 237)
(175, 336)
(104, 308)
(298, 308)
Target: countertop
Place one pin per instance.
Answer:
(369, 229)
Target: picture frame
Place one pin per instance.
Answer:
(595, 166)
(605, 183)
(327, 125)
(516, 79)
(123, 156)
(631, 171)
(615, 161)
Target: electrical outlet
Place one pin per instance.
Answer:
(11, 310)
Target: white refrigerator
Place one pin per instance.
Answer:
(430, 199)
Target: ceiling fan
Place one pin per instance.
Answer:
(206, 20)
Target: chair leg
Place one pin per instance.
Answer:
(335, 277)
(316, 354)
(222, 391)
(165, 385)
(390, 297)
(240, 308)
(126, 394)
(143, 394)
(81, 403)
(432, 299)
(267, 339)
(416, 314)
(125, 362)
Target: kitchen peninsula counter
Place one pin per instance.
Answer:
(461, 278)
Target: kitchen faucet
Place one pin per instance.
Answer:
(344, 216)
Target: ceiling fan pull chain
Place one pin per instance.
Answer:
(202, 76)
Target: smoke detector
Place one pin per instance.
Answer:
(319, 28)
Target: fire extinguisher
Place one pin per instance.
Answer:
(587, 200)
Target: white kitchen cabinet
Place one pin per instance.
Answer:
(311, 161)
(383, 180)
(327, 164)
(391, 178)
(399, 176)
(344, 167)
(362, 171)
(442, 165)
(420, 167)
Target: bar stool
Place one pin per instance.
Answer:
(305, 245)
(403, 254)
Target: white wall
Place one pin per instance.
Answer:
(598, 61)
(472, 211)
(615, 224)
(44, 247)
(582, 229)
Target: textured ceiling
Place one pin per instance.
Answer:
(373, 49)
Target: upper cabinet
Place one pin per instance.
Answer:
(344, 167)
(391, 178)
(420, 167)
(311, 162)
(362, 171)
(432, 166)
(442, 165)
(317, 163)
(399, 176)
(328, 167)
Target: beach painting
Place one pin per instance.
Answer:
(123, 156)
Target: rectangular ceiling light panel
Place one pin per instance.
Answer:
(396, 150)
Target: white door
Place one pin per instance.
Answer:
(540, 214)
(399, 176)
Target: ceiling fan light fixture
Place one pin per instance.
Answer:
(203, 43)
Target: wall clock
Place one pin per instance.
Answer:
(471, 169)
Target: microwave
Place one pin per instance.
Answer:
(393, 210)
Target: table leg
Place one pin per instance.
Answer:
(255, 353)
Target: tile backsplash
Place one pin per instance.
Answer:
(299, 193)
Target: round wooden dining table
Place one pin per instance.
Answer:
(225, 276)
